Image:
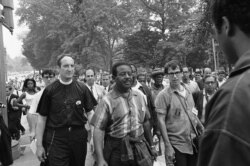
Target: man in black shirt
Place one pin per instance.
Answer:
(62, 116)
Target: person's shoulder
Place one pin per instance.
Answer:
(99, 87)
(14, 96)
(52, 86)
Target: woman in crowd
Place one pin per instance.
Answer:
(29, 91)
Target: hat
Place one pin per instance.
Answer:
(157, 71)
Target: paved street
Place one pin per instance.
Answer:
(29, 159)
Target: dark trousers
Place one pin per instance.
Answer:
(13, 119)
(112, 153)
(66, 146)
(19, 125)
(5, 144)
(183, 159)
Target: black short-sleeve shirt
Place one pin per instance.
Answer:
(65, 105)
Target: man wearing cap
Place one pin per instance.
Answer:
(157, 75)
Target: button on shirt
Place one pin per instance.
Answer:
(119, 116)
(179, 128)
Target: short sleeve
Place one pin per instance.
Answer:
(44, 104)
(161, 104)
(101, 115)
(89, 100)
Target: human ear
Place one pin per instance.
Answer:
(227, 26)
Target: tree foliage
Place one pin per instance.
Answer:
(98, 32)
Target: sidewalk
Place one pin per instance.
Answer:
(27, 158)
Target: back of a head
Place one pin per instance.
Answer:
(236, 11)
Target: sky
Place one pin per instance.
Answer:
(12, 43)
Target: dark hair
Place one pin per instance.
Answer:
(173, 64)
(60, 57)
(210, 75)
(25, 84)
(9, 87)
(49, 72)
(89, 69)
(237, 12)
(116, 65)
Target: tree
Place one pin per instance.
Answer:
(140, 47)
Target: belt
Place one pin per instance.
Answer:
(68, 128)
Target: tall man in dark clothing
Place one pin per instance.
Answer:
(226, 141)
(5, 143)
(62, 109)
(13, 113)
(201, 98)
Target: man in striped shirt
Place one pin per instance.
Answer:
(121, 113)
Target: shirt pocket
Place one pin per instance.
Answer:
(177, 113)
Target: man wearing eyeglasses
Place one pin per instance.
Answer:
(48, 77)
(178, 123)
(201, 98)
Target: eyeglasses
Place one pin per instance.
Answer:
(174, 73)
(47, 77)
(209, 82)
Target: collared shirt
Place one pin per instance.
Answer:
(97, 91)
(206, 98)
(192, 86)
(137, 88)
(226, 140)
(155, 91)
(119, 116)
(65, 105)
(179, 128)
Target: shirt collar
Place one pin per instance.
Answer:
(137, 86)
(115, 94)
(242, 64)
(65, 83)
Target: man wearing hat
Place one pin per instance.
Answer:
(157, 86)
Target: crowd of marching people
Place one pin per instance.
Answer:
(128, 118)
(24, 101)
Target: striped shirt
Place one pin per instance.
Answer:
(119, 116)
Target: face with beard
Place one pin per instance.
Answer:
(124, 77)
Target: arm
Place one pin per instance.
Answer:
(147, 132)
(169, 151)
(98, 142)
(19, 101)
(39, 135)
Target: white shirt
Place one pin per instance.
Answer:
(97, 90)
(192, 86)
(136, 87)
(35, 102)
